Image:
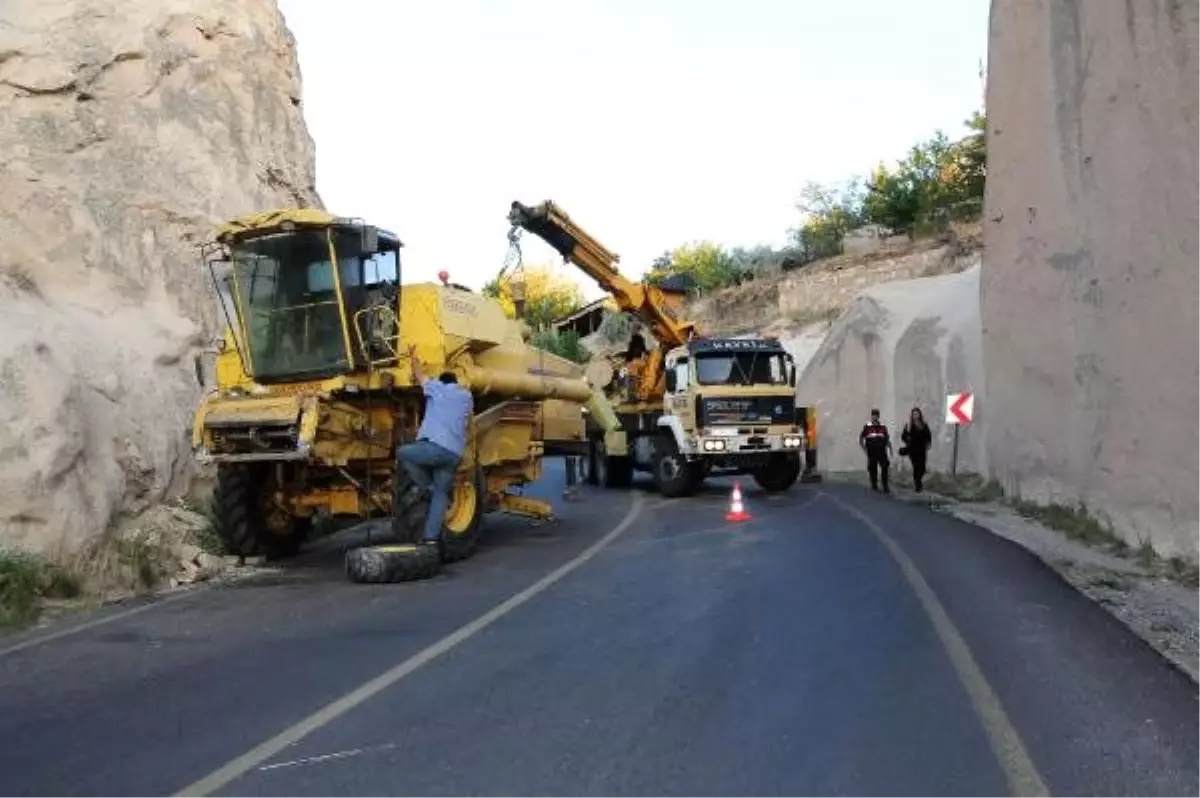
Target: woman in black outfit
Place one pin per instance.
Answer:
(917, 439)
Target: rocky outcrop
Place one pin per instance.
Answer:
(126, 130)
(900, 345)
(1089, 299)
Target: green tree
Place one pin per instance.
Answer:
(707, 264)
(828, 213)
(564, 343)
(937, 181)
(549, 295)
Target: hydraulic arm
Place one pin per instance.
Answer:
(654, 307)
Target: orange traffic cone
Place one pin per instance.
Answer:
(737, 511)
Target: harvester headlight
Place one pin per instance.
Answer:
(791, 441)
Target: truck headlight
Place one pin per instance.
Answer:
(714, 446)
(791, 441)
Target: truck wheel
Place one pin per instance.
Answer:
(401, 562)
(592, 458)
(673, 474)
(611, 472)
(464, 518)
(247, 522)
(781, 473)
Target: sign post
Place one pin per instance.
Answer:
(960, 410)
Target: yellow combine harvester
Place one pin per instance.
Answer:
(315, 393)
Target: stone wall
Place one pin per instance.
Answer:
(821, 290)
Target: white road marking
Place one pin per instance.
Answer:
(1011, 754)
(256, 756)
(316, 760)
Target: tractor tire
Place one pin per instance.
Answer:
(379, 565)
(239, 516)
(672, 473)
(781, 474)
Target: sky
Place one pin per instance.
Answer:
(653, 123)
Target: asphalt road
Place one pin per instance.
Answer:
(838, 643)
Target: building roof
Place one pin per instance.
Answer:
(591, 307)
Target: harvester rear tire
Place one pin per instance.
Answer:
(461, 545)
(391, 564)
(239, 519)
(412, 508)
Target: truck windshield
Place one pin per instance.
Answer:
(289, 304)
(741, 368)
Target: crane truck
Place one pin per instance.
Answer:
(314, 393)
(689, 407)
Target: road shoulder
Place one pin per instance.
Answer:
(1161, 611)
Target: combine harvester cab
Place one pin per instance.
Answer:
(315, 393)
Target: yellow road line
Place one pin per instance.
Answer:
(1022, 774)
(331, 712)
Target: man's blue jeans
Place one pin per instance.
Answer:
(432, 468)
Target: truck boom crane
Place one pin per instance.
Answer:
(697, 405)
(654, 307)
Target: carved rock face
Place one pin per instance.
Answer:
(126, 131)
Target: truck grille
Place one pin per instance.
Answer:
(746, 410)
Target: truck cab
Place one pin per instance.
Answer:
(729, 407)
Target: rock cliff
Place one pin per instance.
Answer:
(126, 130)
(1089, 299)
(900, 345)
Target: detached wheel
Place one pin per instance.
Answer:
(780, 474)
(672, 472)
(402, 562)
(248, 523)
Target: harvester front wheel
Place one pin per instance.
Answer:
(247, 521)
(780, 474)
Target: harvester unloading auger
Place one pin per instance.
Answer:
(315, 393)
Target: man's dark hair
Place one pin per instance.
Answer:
(874, 411)
(448, 377)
